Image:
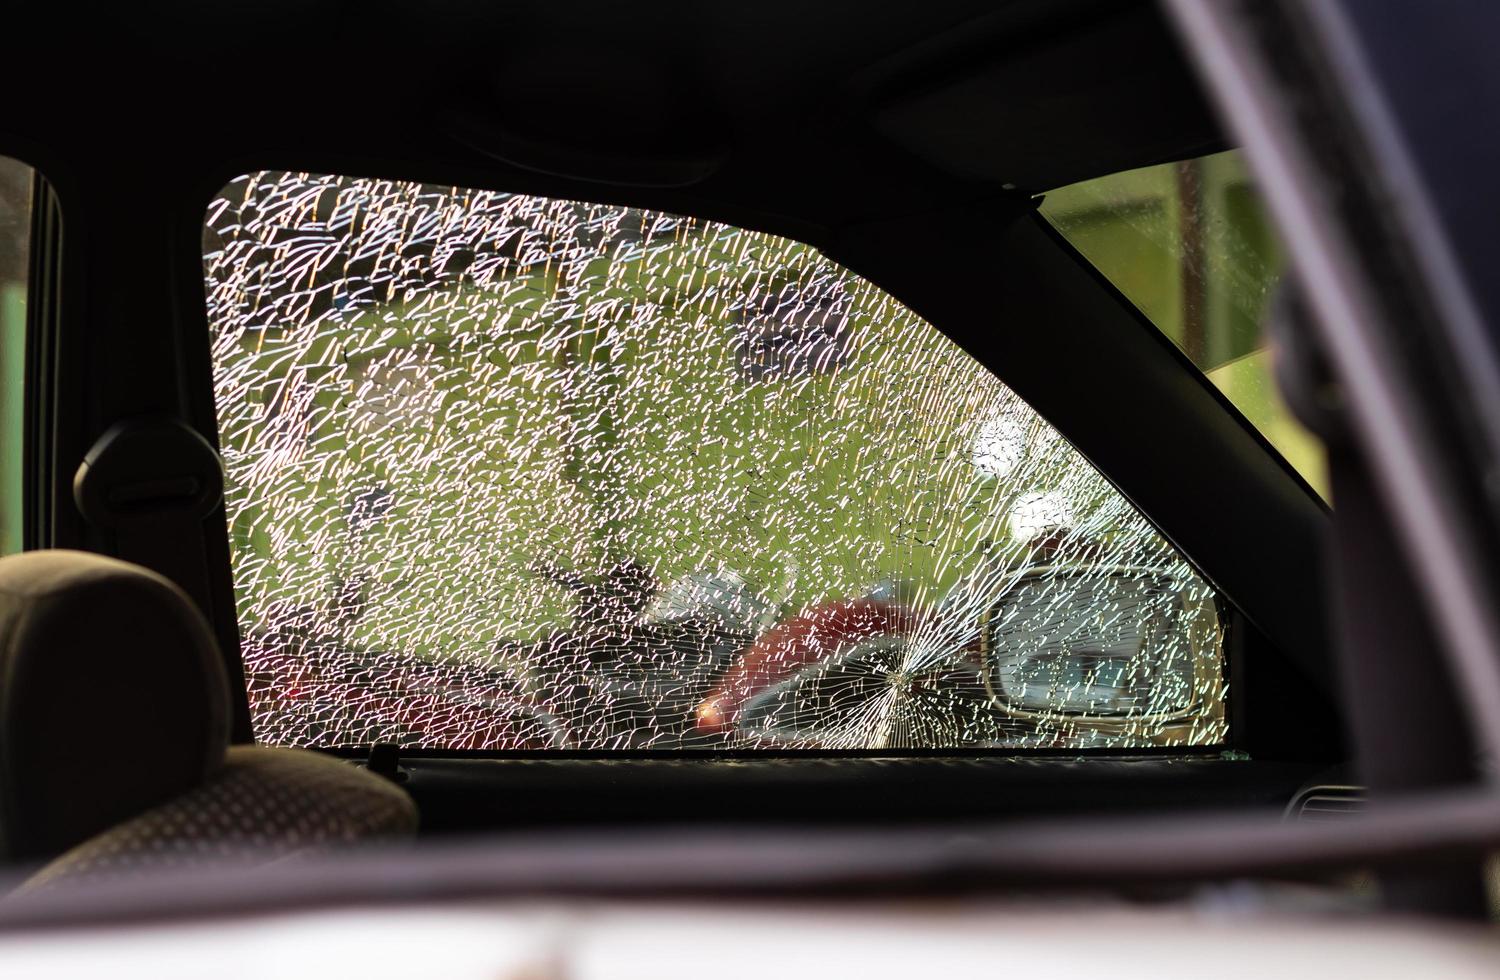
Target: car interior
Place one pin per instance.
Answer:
(483, 420)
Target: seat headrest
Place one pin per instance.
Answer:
(113, 697)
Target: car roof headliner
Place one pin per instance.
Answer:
(827, 112)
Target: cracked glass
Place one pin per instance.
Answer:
(514, 473)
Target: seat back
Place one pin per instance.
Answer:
(114, 732)
(113, 698)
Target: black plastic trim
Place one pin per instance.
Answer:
(43, 299)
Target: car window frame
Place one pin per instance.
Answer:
(979, 366)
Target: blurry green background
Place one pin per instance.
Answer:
(1190, 246)
(15, 230)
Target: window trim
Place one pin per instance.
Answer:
(40, 404)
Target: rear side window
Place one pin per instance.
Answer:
(508, 472)
(1191, 246)
(15, 250)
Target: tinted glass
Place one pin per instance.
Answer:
(15, 245)
(1189, 244)
(508, 472)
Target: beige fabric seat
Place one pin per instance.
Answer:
(114, 754)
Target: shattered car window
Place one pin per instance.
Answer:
(514, 473)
